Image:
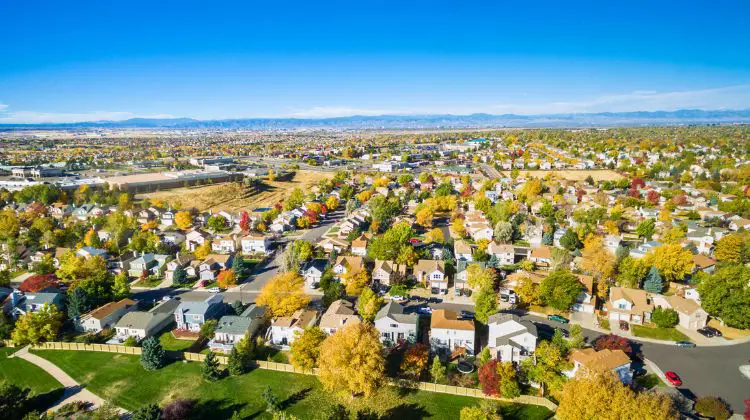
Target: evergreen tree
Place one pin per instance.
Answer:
(147, 412)
(79, 303)
(238, 266)
(272, 401)
(210, 369)
(153, 355)
(236, 365)
(237, 307)
(653, 282)
(179, 276)
(437, 371)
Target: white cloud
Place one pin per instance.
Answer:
(33, 117)
(732, 97)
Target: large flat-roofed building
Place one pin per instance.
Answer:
(165, 180)
(36, 172)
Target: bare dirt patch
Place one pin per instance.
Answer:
(232, 197)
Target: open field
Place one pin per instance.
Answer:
(573, 175)
(235, 196)
(24, 374)
(121, 378)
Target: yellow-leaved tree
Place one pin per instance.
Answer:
(284, 294)
(424, 217)
(673, 261)
(600, 395)
(351, 361)
(356, 282)
(598, 262)
(305, 349)
(183, 219)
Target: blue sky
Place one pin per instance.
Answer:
(82, 61)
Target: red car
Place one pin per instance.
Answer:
(673, 378)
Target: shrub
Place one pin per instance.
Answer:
(712, 407)
(147, 412)
(665, 317)
(179, 409)
(614, 342)
(130, 342)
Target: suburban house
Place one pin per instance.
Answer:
(480, 231)
(226, 244)
(586, 300)
(143, 265)
(190, 315)
(233, 328)
(691, 315)
(395, 326)
(283, 329)
(140, 325)
(348, 265)
(542, 256)
(33, 302)
(385, 271)
(313, 271)
(462, 250)
(196, 238)
(630, 305)
(181, 261)
(432, 274)
(332, 244)
(448, 334)
(255, 244)
(359, 246)
(209, 268)
(106, 316)
(462, 274)
(505, 253)
(173, 238)
(511, 339)
(613, 360)
(340, 314)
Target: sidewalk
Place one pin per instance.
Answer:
(73, 390)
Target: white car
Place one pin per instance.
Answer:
(398, 298)
(214, 290)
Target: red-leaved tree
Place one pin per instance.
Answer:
(38, 283)
(652, 196)
(245, 221)
(614, 342)
(489, 378)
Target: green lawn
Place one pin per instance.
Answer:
(659, 333)
(649, 381)
(44, 388)
(121, 378)
(170, 343)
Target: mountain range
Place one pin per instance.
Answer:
(446, 121)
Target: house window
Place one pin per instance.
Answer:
(394, 325)
(622, 306)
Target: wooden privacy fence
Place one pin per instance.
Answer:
(283, 367)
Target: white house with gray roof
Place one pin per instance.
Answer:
(190, 315)
(233, 328)
(396, 326)
(140, 324)
(511, 339)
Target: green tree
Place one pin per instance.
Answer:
(547, 367)
(121, 287)
(210, 370)
(726, 295)
(632, 272)
(577, 340)
(653, 283)
(646, 229)
(14, 401)
(369, 304)
(485, 304)
(153, 356)
(437, 371)
(235, 363)
(179, 276)
(560, 289)
(570, 240)
(79, 303)
(38, 327)
(665, 317)
(272, 401)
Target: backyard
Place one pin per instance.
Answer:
(121, 378)
(44, 388)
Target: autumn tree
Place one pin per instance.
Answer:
(602, 395)
(202, 251)
(227, 279)
(632, 272)
(369, 304)
(729, 249)
(415, 360)
(332, 203)
(547, 367)
(673, 261)
(305, 349)
(613, 342)
(351, 361)
(424, 217)
(725, 294)
(598, 262)
(646, 229)
(284, 294)
(457, 228)
(485, 304)
(479, 277)
(183, 220)
(38, 327)
(528, 292)
(435, 235)
(356, 282)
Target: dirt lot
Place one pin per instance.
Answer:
(575, 175)
(234, 196)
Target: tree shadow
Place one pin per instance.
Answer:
(44, 401)
(216, 409)
(406, 411)
(295, 398)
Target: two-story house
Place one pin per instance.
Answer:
(395, 326)
(340, 314)
(462, 250)
(144, 324)
(348, 265)
(233, 328)
(505, 253)
(630, 305)
(604, 360)
(511, 339)
(450, 335)
(255, 244)
(284, 330)
(190, 315)
(225, 244)
(432, 274)
(385, 271)
(313, 271)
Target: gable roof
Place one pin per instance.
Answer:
(395, 311)
(604, 359)
(446, 319)
(109, 308)
(428, 266)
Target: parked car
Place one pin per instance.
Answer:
(466, 315)
(398, 298)
(434, 300)
(425, 310)
(687, 344)
(624, 325)
(709, 332)
(214, 290)
(558, 318)
(673, 378)
(563, 332)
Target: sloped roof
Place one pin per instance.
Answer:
(446, 319)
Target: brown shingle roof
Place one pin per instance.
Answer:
(107, 309)
(443, 318)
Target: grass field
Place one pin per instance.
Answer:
(169, 342)
(121, 378)
(45, 390)
(234, 196)
(574, 175)
(659, 333)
